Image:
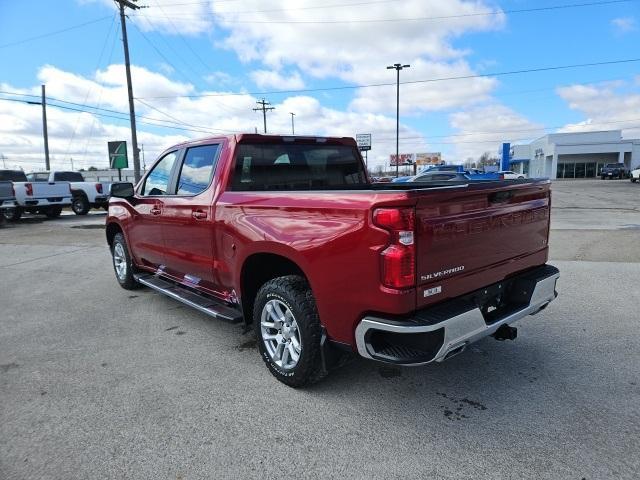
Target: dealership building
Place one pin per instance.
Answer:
(574, 155)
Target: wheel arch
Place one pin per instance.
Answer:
(257, 269)
(111, 230)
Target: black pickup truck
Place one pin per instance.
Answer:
(614, 170)
(7, 198)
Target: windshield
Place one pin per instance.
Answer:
(12, 176)
(297, 167)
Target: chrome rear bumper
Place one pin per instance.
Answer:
(440, 332)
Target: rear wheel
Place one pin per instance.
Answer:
(288, 329)
(122, 264)
(80, 205)
(12, 214)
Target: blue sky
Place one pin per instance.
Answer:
(233, 56)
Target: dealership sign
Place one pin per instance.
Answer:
(118, 155)
(364, 141)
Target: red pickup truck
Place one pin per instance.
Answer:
(288, 234)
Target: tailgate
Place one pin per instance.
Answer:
(53, 189)
(478, 235)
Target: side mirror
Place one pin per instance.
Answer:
(122, 190)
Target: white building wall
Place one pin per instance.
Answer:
(543, 152)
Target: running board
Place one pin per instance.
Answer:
(208, 305)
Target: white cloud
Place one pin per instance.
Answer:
(273, 79)
(358, 52)
(474, 129)
(606, 106)
(84, 136)
(624, 25)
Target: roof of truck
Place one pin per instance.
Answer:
(256, 137)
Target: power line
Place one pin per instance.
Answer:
(387, 84)
(420, 19)
(187, 44)
(314, 7)
(86, 97)
(56, 32)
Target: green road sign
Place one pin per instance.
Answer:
(118, 155)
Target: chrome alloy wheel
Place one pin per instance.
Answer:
(280, 334)
(120, 261)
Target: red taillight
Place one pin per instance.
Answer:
(99, 187)
(502, 176)
(398, 259)
(28, 189)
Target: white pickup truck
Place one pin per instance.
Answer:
(47, 197)
(86, 195)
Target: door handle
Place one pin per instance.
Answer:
(155, 211)
(199, 214)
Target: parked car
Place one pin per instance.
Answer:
(510, 175)
(85, 195)
(614, 170)
(635, 175)
(288, 234)
(7, 198)
(35, 197)
(439, 176)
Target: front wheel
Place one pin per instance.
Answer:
(122, 264)
(288, 329)
(633, 180)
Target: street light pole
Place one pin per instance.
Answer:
(293, 128)
(397, 67)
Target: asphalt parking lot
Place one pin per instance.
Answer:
(99, 382)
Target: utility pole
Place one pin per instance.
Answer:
(293, 127)
(73, 169)
(264, 106)
(44, 129)
(132, 113)
(4, 160)
(397, 67)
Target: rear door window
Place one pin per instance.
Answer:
(197, 169)
(296, 167)
(68, 177)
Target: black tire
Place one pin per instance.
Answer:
(105, 207)
(602, 178)
(633, 180)
(53, 212)
(125, 278)
(12, 214)
(294, 292)
(80, 205)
